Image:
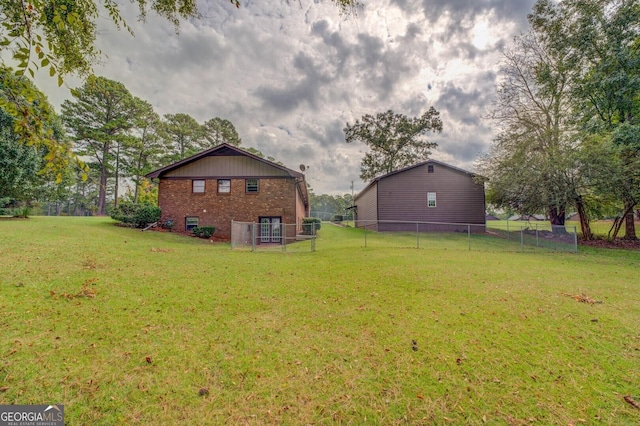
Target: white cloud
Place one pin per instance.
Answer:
(290, 75)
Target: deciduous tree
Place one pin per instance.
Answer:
(530, 167)
(21, 166)
(394, 140)
(602, 41)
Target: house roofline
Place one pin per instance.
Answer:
(159, 172)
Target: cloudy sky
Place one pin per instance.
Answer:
(290, 75)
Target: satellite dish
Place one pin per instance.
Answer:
(303, 168)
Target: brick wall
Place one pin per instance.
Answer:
(276, 197)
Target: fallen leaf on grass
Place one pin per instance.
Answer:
(160, 250)
(631, 402)
(583, 298)
(4, 388)
(85, 291)
(203, 391)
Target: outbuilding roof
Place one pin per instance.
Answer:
(430, 161)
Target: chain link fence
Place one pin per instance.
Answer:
(276, 237)
(523, 237)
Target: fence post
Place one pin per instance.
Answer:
(508, 234)
(313, 240)
(417, 235)
(365, 236)
(522, 239)
(575, 239)
(232, 228)
(469, 235)
(283, 236)
(253, 236)
(537, 237)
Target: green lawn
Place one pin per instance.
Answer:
(599, 228)
(126, 327)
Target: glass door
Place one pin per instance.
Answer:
(270, 229)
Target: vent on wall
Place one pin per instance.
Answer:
(430, 168)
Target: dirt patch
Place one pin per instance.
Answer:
(614, 244)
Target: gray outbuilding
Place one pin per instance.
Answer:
(440, 196)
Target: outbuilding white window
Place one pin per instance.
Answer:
(198, 186)
(431, 199)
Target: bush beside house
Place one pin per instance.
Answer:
(309, 224)
(137, 215)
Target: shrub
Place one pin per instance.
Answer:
(204, 231)
(309, 224)
(4, 206)
(147, 214)
(138, 215)
(22, 212)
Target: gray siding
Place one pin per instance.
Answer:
(226, 167)
(403, 196)
(367, 203)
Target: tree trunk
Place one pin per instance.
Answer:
(102, 193)
(138, 179)
(584, 220)
(115, 199)
(630, 226)
(556, 217)
(617, 223)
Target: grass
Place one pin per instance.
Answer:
(126, 327)
(599, 228)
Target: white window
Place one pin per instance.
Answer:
(224, 185)
(198, 185)
(431, 199)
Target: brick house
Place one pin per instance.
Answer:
(225, 184)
